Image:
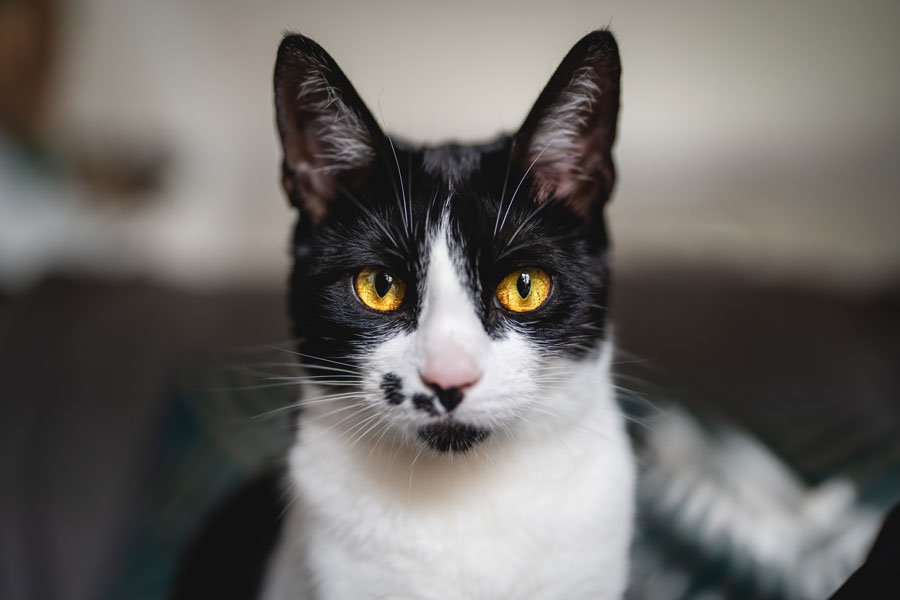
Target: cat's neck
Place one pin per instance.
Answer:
(552, 497)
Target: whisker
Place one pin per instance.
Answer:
(255, 365)
(260, 348)
(378, 441)
(402, 198)
(307, 402)
(412, 467)
(527, 219)
(410, 180)
(361, 434)
(318, 379)
(252, 388)
(360, 406)
(313, 357)
(327, 368)
(503, 191)
(522, 180)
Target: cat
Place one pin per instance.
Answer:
(458, 435)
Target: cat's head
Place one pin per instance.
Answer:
(444, 293)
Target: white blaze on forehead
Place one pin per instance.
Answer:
(452, 343)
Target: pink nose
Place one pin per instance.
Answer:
(450, 368)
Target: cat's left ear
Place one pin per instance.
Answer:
(329, 137)
(566, 141)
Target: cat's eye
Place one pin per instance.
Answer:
(380, 289)
(523, 290)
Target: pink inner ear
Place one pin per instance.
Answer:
(584, 178)
(450, 367)
(558, 181)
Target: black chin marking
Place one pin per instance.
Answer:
(392, 388)
(452, 437)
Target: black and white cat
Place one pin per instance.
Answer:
(459, 437)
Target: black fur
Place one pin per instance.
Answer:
(425, 403)
(452, 437)
(228, 558)
(449, 398)
(392, 388)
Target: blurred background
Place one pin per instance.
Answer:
(143, 237)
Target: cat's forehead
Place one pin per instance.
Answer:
(472, 194)
(452, 164)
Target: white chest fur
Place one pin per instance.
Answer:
(544, 513)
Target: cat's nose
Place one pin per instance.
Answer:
(450, 374)
(449, 398)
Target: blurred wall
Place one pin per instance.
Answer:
(762, 137)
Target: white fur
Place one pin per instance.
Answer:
(541, 509)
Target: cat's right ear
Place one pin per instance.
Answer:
(328, 136)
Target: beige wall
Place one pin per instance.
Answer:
(761, 135)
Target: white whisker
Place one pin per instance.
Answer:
(522, 180)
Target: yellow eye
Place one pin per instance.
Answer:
(380, 289)
(523, 290)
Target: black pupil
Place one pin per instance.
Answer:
(383, 283)
(524, 285)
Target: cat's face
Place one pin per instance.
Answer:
(441, 292)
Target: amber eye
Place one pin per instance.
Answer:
(523, 290)
(380, 289)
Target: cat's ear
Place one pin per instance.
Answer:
(328, 136)
(566, 141)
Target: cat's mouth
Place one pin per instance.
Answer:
(449, 436)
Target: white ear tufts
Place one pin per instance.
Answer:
(558, 145)
(328, 136)
(566, 140)
(343, 139)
